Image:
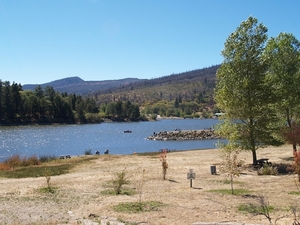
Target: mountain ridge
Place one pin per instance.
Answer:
(76, 85)
(198, 80)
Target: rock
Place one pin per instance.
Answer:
(184, 135)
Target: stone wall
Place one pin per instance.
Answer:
(184, 135)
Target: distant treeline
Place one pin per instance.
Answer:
(49, 106)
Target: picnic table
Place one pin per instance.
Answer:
(262, 162)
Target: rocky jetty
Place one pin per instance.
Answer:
(184, 135)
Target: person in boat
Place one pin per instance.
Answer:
(106, 151)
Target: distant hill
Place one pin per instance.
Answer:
(196, 84)
(76, 85)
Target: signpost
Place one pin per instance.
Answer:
(191, 176)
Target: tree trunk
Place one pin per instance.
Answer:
(254, 157)
(294, 149)
(231, 183)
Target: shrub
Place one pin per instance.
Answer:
(13, 162)
(119, 180)
(268, 170)
(31, 161)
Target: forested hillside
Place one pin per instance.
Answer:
(197, 85)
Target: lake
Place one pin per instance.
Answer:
(58, 140)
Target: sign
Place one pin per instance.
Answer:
(191, 175)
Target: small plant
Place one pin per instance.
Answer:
(48, 177)
(163, 159)
(262, 207)
(139, 187)
(119, 180)
(267, 170)
(231, 165)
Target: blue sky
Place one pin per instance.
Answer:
(46, 40)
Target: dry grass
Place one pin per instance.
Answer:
(79, 193)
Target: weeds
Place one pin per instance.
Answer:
(229, 192)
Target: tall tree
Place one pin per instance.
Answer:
(240, 89)
(283, 56)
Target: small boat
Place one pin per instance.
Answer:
(127, 131)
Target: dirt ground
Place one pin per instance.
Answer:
(78, 194)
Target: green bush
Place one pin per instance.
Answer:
(267, 170)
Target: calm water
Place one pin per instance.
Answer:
(75, 139)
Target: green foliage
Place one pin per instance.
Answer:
(283, 54)
(294, 192)
(136, 207)
(241, 90)
(42, 106)
(48, 189)
(119, 181)
(121, 110)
